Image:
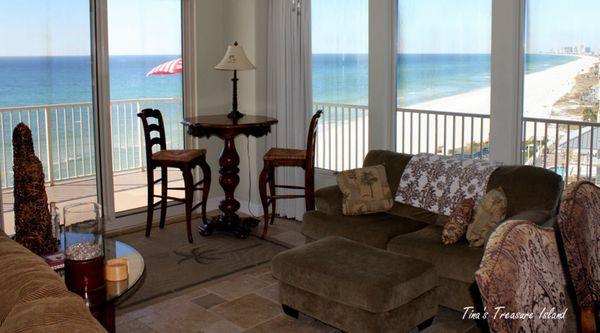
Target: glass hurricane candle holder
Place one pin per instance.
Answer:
(84, 251)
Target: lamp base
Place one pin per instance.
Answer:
(235, 114)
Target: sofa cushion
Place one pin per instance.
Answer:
(413, 213)
(23, 273)
(329, 200)
(355, 274)
(365, 190)
(457, 261)
(517, 182)
(528, 188)
(65, 314)
(374, 229)
(394, 164)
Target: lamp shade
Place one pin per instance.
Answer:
(235, 59)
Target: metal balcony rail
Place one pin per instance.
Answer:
(64, 141)
(569, 148)
(462, 135)
(342, 136)
(63, 136)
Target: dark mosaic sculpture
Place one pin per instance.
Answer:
(32, 217)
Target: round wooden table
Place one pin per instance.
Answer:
(227, 129)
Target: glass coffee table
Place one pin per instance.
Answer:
(115, 290)
(135, 262)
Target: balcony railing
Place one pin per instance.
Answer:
(64, 141)
(342, 136)
(570, 148)
(444, 133)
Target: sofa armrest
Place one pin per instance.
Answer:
(329, 200)
(540, 217)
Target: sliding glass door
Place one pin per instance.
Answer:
(46, 83)
(145, 72)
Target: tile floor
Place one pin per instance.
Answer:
(244, 302)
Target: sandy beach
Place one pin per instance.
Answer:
(341, 147)
(542, 90)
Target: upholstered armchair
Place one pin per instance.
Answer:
(579, 227)
(521, 271)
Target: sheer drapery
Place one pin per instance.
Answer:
(289, 93)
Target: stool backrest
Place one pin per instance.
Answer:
(311, 141)
(158, 127)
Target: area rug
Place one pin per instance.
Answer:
(173, 265)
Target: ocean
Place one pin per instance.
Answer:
(26, 81)
(33, 81)
(337, 78)
(343, 78)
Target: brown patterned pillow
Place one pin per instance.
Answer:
(490, 211)
(365, 191)
(457, 224)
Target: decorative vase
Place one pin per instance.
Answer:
(84, 252)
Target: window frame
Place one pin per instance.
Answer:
(101, 101)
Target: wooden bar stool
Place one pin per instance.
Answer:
(283, 157)
(184, 160)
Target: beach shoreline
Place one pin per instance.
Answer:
(542, 91)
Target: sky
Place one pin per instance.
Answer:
(454, 26)
(62, 27)
(563, 23)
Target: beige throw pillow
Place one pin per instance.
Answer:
(490, 211)
(365, 191)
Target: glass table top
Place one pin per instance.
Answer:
(135, 265)
(135, 262)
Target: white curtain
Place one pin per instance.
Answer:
(289, 88)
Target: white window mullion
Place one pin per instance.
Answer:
(382, 73)
(507, 80)
(102, 123)
(190, 75)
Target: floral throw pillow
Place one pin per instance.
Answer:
(457, 224)
(365, 191)
(490, 211)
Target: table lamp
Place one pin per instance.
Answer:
(235, 59)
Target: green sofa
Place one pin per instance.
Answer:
(533, 194)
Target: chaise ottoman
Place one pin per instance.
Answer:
(355, 287)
